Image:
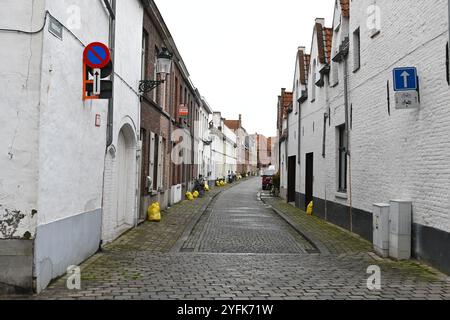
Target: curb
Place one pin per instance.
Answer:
(321, 248)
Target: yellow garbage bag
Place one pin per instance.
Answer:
(206, 187)
(189, 196)
(196, 194)
(310, 209)
(154, 213)
(222, 183)
(217, 183)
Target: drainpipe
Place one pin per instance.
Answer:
(347, 134)
(109, 127)
(112, 37)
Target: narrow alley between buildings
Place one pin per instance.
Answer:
(236, 246)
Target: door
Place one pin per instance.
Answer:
(292, 164)
(122, 179)
(309, 179)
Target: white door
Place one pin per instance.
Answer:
(122, 179)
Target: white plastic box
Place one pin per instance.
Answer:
(400, 216)
(381, 229)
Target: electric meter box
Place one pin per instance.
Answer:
(400, 216)
(381, 229)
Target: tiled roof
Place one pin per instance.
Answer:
(324, 43)
(345, 6)
(288, 99)
(328, 43)
(307, 63)
(232, 124)
(320, 43)
(303, 61)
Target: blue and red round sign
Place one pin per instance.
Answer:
(97, 55)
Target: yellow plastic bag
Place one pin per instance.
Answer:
(217, 183)
(310, 209)
(196, 194)
(206, 187)
(189, 196)
(154, 213)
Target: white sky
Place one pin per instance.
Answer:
(240, 53)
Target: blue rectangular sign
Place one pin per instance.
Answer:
(405, 79)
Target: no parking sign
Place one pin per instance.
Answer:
(97, 62)
(97, 55)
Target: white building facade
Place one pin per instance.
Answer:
(356, 148)
(223, 149)
(53, 167)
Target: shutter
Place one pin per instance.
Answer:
(160, 162)
(152, 159)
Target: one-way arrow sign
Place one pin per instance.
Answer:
(97, 82)
(405, 79)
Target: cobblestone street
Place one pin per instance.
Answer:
(232, 245)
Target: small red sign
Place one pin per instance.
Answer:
(98, 121)
(183, 111)
(97, 55)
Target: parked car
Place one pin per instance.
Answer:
(267, 178)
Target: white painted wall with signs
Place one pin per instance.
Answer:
(404, 154)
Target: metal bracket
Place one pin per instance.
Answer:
(149, 85)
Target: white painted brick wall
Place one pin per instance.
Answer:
(405, 155)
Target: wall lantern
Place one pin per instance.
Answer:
(163, 67)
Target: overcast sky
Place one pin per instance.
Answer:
(240, 53)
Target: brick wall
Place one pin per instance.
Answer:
(394, 153)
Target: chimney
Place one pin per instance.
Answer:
(240, 121)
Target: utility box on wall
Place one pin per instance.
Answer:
(381, 229)
(400, 217)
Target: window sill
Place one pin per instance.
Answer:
(341, 195)
(334, 85)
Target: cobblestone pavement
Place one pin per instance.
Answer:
(239, 248)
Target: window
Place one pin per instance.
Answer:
(447, 64)
(356, 50)
(342, 159)
(154, 146)
(157, 160)
(161, 162)
(144, 55)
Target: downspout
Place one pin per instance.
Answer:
(112, 41)
(327, 119)
(347, 135)
(109, 125)
(300, 140)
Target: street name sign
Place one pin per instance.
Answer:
(405, 79)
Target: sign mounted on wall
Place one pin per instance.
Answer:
(183, 111)
(97, 55)
(407, 100)
(406, 87)
(97, 65)
(405, 79)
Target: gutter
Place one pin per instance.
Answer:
(112, 43)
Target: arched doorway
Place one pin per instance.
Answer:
(120, 185)
(122, 179)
